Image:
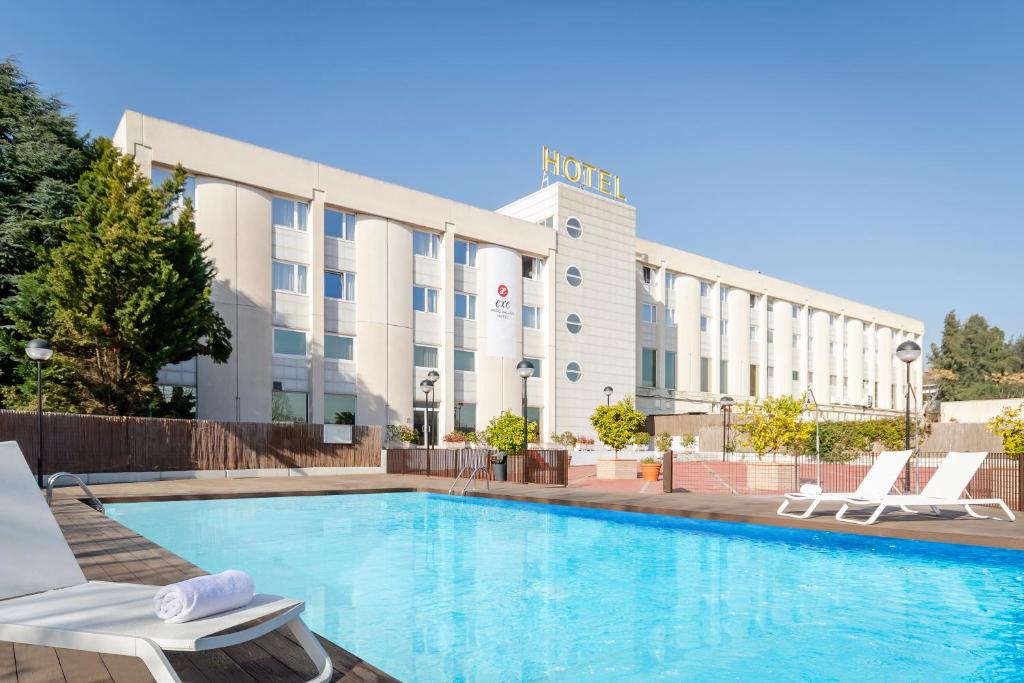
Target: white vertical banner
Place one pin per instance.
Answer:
(502, 299)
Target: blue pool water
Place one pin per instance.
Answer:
(436, 588)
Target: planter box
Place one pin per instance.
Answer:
(770, 477)
(616, 469)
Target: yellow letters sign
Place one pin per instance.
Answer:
(580, 172)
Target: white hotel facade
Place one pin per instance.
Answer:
(342, 292)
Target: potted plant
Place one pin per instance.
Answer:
(504, 433)
(772, 426)
(650, 467)
(618, 425)
(454, 440)
(688, 442)
(409, 436)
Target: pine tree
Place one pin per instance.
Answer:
(127, 292)
(971, 358)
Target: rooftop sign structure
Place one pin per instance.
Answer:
(578, 172)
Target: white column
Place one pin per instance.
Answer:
(821, 365)
(783, 347)
(738, 302)
(883, 340)
(445, 393)
(316, 308)
(688, 332)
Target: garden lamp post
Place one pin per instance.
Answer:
(907, 352)
(433, 376)
(812, 400)
(426, 386)
(608, 395)
(458, 415)
(39, 350)
(727, 403)
(525, 370)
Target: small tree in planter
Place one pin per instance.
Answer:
(772, 426)
(687, 440)
(504, 433)
(617, 425)
(663, 443)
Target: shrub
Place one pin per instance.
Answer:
(641, 439)
(566, 439)
(687, 440)
(842, 441)
(455, 437)
(772, 425)
(505, 432)
(618, 424)
(663, 443)
(403, 433)
(584, 441)
(1009, 426)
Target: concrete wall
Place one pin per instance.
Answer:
(976, 411)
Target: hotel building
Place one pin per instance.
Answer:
(342, 292)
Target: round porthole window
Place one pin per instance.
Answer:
(573, 276)
(573, 371)
(573, 227)
(573, 323)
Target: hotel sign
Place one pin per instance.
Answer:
(579, 172)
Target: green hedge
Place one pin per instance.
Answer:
(842, 441)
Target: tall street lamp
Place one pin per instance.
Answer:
(433, 376)
(810, 399)
(727, 403)
(426, 386)
(608, 395)
(907, 352)
(525, 370)
(39, 350)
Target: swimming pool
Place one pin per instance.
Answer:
(439, 588)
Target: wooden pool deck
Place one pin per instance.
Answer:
(108, 551)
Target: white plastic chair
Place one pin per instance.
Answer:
(876, 483)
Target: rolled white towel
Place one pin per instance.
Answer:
(202, 596)
(810, 490)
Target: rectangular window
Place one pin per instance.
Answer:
(753, 300)
(771, 336)
(340, 225)
(649, 367)
(705, 322)
(340, 286)
(289, 277)
(771, 306)
(339, 409)
(670, 280)
(465, 360)
(532, 267)
(289, 214)
(425, 356)
(536, 367)
(753, 379)
(810, 378)
(670, 369)
(705, 289)
(723, 376)
(533, 414)
(338, 347)
(723, 292)
(531, 317)
(424, 299)
(426, 244)
(649, 313)
(465, 305)
(647, 273)
(289, 342)
(796, 341)
(465, 253)
(465, 417)
(796, 375)
(705, 374)
(289, 406)
(796, 311)
(188, 191)
(753, 333)
(670, 316)
(723, 327)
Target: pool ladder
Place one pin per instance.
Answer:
(94, 501)
(479, 469)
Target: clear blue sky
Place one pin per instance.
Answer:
(870, 149)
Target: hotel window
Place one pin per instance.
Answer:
(771, 336)
(573, 227)
(536, 367)
(465, 361)
(289, 406)
(649, 313)
(573, 371)
(723, 376)
(465, 417)
(289, 214)
(810, 378)
(465, 253)
(647, 274)
(649, 367)
(670, 315)
(796, 375)
(426, 244)
(832, 348)
(753, 333)
(289, 277)
(670, 280)
(705, 289)
(796, 341)
(670, 369)
(339, 348)
(771, 306)
(705, 374)
(340, 225)
(723, 327)
(796, 311)
(289, 342)
(424, 299)
(832, 380)
(753, 379)
(573, 276)
(705, 322)
(533, 414)
(548, 222)
(188, 191)
(340, 409)
(340, 286)
(753, 300)
(532, 267)
(723, 292)
(531, 317)
(573, 323)
(425, 356)
(465, 306)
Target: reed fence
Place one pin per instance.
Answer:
(543, 466)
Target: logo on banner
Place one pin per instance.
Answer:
(502, 291)
(502, 308)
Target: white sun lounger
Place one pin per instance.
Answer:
(46, 600)
(876, 483)
(946, 487)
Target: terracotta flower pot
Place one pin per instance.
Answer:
(650, 470)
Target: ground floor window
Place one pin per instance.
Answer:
(705, 374)
(534, 414)
(723, 376)
(465, 417)
(649, 367)
(289, 406)
(424, 420)
(339, 409)
(670, 369)
(174, 401)
(753, 379)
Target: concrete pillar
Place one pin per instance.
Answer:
(445, 392)
(738, 342)
(783, 348)
(821, 356)
(688, 332)
(316, 307)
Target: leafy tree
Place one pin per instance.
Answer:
(505, 432)
(178, 404)
(970, 358)
(773, 425)
(1009, 426)
(619, 424)
(126, 293)
(41, 157)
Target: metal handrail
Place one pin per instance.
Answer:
(458, 476)
(472, 476)
(92, 496)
